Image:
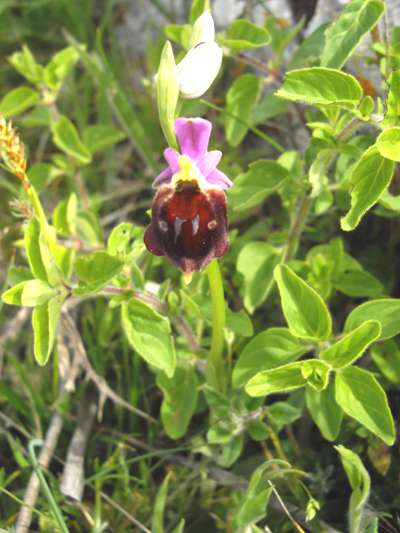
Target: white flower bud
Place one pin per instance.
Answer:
(200, 66)
(203, 29)
(198, 69)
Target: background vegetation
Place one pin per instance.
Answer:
(135, 437)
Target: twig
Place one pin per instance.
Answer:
(73, 476)
(105, 391)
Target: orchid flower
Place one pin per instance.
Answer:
(189, 222)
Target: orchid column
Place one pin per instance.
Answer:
(189, 222)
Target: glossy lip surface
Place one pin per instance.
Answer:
(189, 222)
(189, 226)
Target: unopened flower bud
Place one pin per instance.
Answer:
(200, 66)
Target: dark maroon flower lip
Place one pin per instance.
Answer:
(189, 223)
(189, 226)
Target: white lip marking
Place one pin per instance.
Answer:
(195, 224)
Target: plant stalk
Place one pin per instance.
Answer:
(215, 372)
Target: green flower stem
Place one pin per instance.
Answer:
(215, 373)
(37, 206)
(45, 487)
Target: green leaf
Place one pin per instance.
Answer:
(360, 396)
(25, 63)
(13, 295)
(289, 377)
(358, 284)
(157, 519)
(388, 143)
(308, 52)
(386, 356)
(119, 239)
(256, 262)
(59, 67)
(149, 333)
(255, 500)
(98, 138)
(269, 107)
(167, 93)
(179, 400)
(42, 174)
(36, 292)
(270, 348)
(44, 322)
(96, 270)
(370, 176)
(305, 311)
(32, 247)
(262, 179)
(17, 101)
(392, 117)
(280, 414)
(346, 32)
(65, 215)
(241, 98)
(66, 137)
(324, 411)
(385, 310)
(321, 86)
(348, 349)
(239, 322)
(357, 475)
(243, 34)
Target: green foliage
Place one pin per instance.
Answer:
(321, 86)
(240, 101)
(66, 137)
(351, 346)
(270, 348)
(369, 178)
(260, 181)
(305, 311)
(18, 101)
(360, 396)
(243, 34)
(149, 333)
(343, 36)
(287, 345)
(384, 311)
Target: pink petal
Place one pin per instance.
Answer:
(164, 177)
(193, 136)
(219, 180)
(208, 162)
(171, 156)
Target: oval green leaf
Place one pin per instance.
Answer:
(270, 348)
(348, 349)
(321, 86)
(306, 313)
(386, 311)
(370, 176)
(149, 333)
(360, 396)
(66, 137)
(17, 101)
